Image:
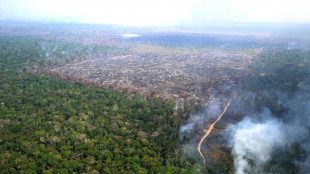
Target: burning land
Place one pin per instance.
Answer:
(230, 81)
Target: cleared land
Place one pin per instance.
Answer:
(187, 78)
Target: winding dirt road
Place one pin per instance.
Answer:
(207, 132)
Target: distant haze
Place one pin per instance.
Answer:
(158, 12)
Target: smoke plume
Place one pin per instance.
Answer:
(198, 121)
(256, 139)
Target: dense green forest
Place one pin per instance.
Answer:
(48, 125)
(276, 72)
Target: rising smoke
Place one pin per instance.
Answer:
(257, 138)
(198, 121)
(254, 140)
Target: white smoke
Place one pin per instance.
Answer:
(198, 121)
(256, 137)
(255, 140)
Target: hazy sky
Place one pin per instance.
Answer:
(158, 12)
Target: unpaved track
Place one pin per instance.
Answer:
(207, 132)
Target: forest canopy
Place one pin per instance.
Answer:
(48, 125)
